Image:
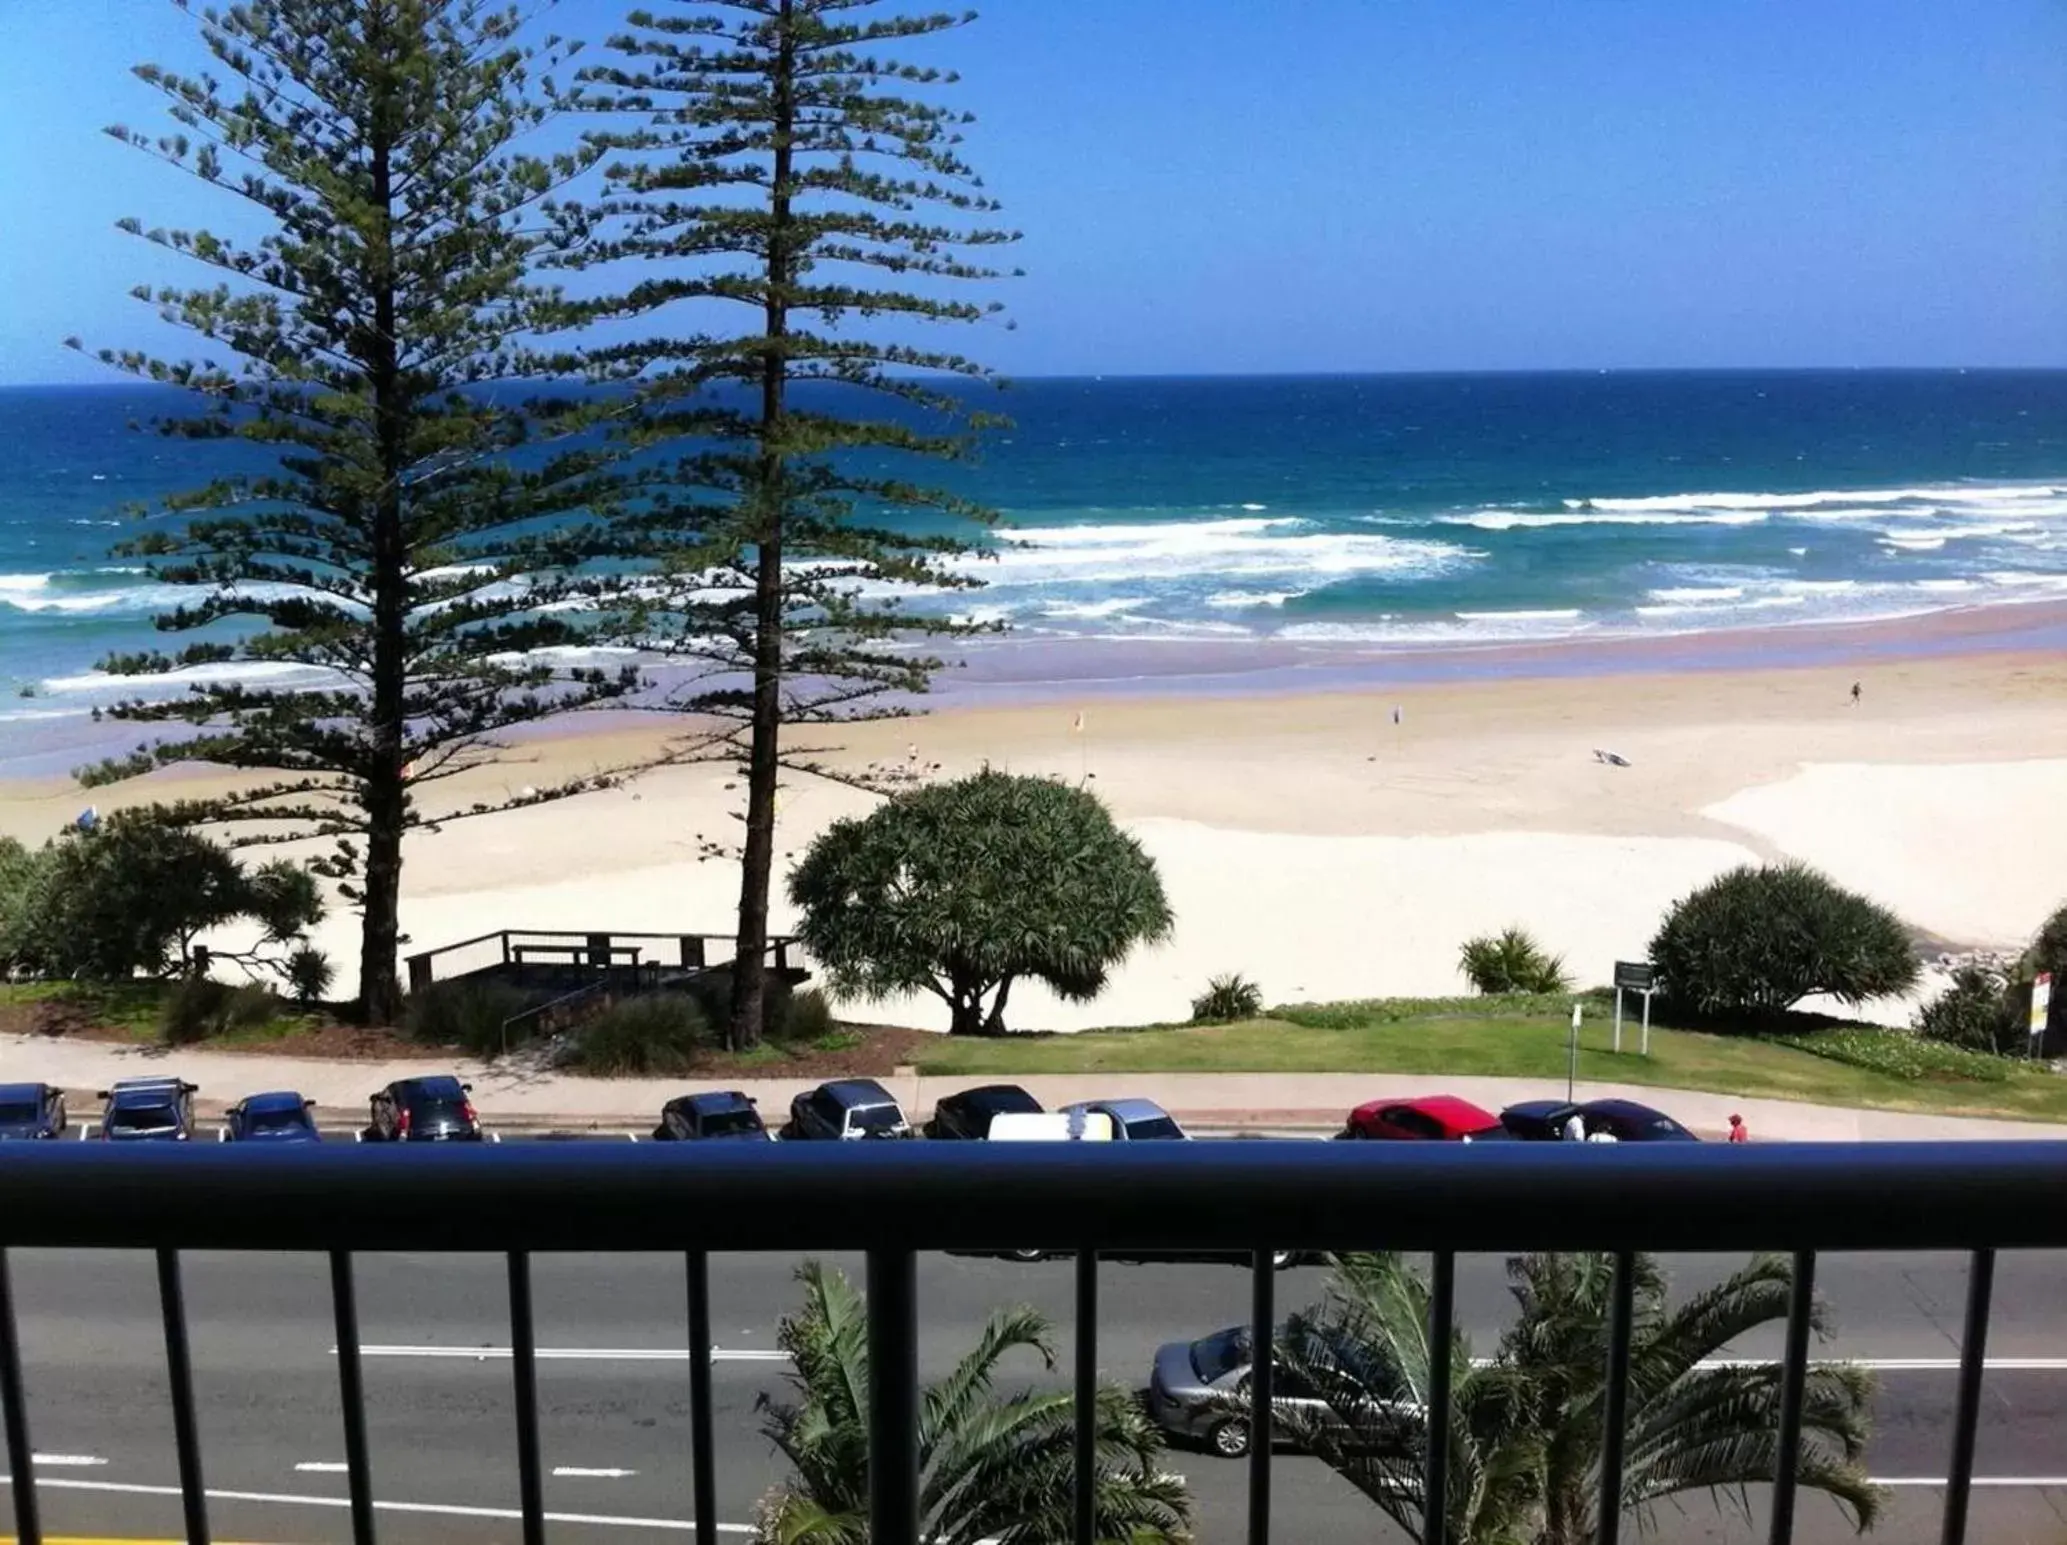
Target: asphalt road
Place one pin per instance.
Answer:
(615, 1414)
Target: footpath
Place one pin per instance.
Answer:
(518, 1099)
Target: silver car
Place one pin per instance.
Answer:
(1133, 1121)
(1198, 1393)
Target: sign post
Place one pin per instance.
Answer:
(1572, 1061)
(2041, 1007)
(1633, 976)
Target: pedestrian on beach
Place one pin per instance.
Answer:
(1739, 1133)
(1855, 694)
(1397, 713)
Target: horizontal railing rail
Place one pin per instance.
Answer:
(892, 1200)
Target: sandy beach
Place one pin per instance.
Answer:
(1318, 847)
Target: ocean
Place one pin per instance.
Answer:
(1367, 515)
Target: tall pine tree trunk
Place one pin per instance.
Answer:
(380, 992)
(757, 860)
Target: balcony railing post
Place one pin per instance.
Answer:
(1615, 1407)
(14, 1413)
(186, 1432)
(1794, 1376)
(703, 1466)
(893, 1397)
(351, 1389)
(1973, 1354)
(524, 1366)
(1262, 1381)
(1435, 1496)
(1087, 1398)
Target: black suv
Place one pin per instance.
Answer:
(424, 1110)
(967, 1115)
(31, 1111)
(719, 1113)
(846, 1109)
(138, 1110)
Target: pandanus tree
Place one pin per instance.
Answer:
(788, 209)
(992, 1466)
(1525, 1425)
(962, 888)
(403, 577)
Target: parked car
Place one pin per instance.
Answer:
(31, 1111)
(1625, 1120)
(279, 1117)
(1193, 1384)
(716, 1113)
(147, 1110)
(1133, 1121)
(1431, 1118)
(423, 1110)
(967, 1115)
(846, 1109)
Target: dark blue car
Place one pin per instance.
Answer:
(31, 1111)
(147, 1110)
(280, 1117)
(717, 1113)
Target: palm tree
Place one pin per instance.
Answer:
(991, 1467)
(1525, 1425)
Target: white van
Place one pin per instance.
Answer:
(1051, 1127)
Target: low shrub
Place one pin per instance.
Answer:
(802, 1018)
(1899, 1055)
(1356, 1014)
(201, 1009)
(1979, 1011)
(309, 973)
(469, 1015)
(655, 1033)
(1511, 961)
(1227, 998)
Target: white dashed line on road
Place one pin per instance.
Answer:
(578, 1472)
(322, 1466)
(77, 1461)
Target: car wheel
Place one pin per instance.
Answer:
(1280, 1259)
(1028, 1255)
(1230, 1440)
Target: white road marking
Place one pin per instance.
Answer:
(78, 1461)
(578, 1472)
(578, 1354)
(442, 1509)
(323, 1466)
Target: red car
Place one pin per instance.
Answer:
(1432, 1118)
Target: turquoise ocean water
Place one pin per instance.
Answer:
(1365, 515)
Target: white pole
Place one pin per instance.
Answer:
(1572, 1064)
(1618, 1021)
(1647, 1021)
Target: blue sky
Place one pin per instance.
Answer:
(1342, 185)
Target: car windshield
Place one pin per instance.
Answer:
(1151, 1128)
(144, 1118)
(12, 1112)
(875, 1118)
(1219, 1354)
(287, 1120)
(718, 1123)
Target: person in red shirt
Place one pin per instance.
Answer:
(1739, 1133)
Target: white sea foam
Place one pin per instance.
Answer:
(273, 673)
(1550, 614)
(1111, 607)
(1244, 598)
(1223, 549)
(1945, 493)
(1255, 506)
(1528, 520)
(1699, 593)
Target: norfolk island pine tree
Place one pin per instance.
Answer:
(396, 548)
(765, 162)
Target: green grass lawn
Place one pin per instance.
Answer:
(1519, 1038)
(131, 1009)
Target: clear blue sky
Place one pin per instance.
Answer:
(1343, 185)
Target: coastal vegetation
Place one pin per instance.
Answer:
(1526, 1422)
(783, 167)
(1511, 961)
(407, 563)
(1752, 943)
(963, 888)
(1227, 998)
(991, 1465)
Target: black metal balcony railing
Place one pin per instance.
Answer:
(893, 1200)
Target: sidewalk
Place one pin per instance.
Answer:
(521, 1098)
